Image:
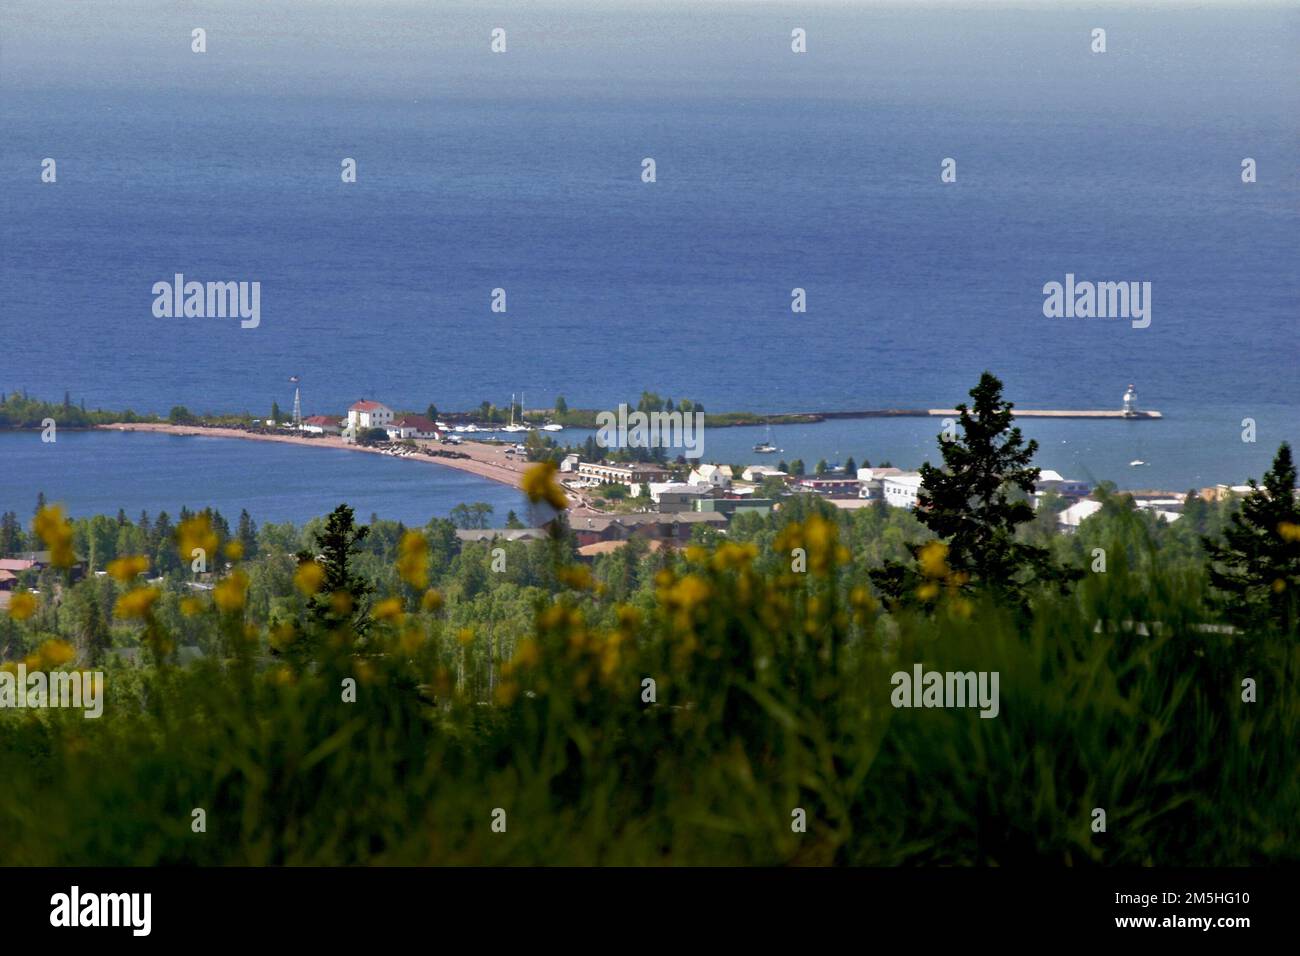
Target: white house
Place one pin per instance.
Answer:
(411, 426)
(901, 490)
(367, 414)
(715, 476)
(321, 425)
(1077, 513)
(757, 473)
(1049, 480)
(570, 463)
(873, 481)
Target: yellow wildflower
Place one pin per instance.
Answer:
(432, 600)
(540, 485)
(126, 569)
(55, 653)
(230, 592)
(309, 577)
(53, 528)
(576, 576)
(1289, 530)
(933, 559)
(196, 534)
(528, 653)
(341, 603)
(389, 609)
(413, 559)
(137, 603)
(234, 550)
(22, 605)
(191, 606)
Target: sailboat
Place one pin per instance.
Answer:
(765, 447)
(512, 427)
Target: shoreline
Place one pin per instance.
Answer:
(483, 460)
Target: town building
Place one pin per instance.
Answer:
(412, 426)
(631, 475)
(715, 476)
(321, 425)
(758, 473)
(674, 496)
(674, 529)
(901, 490)
(367, 414)
(830, 487)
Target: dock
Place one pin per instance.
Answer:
(1017, 412)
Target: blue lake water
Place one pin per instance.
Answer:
(775, 171)
(100, 472)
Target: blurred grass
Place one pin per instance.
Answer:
(773, 693)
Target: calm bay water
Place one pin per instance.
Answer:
(522, 171)
(99, 472)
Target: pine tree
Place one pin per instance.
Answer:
(1255, 569)
(335, 548)
(970, 505)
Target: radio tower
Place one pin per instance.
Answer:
(297, 402)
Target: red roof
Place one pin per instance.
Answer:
(16, 564)
(321, 420)
(417, 422)
(365, 406)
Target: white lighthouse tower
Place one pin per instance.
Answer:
(1131, 401)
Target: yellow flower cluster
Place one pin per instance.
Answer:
(819, 539)
(231, 591)
(413, 560)
(54, 529)
(1289, 531)
(22, 605)
(389, 610)
(124, 570)
(136, 604)
(196, 534)
(540, 484)
(309, 577)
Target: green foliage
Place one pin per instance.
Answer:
(1255, 569)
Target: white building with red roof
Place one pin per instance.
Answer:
(321, 425)
(412, 426)
(367, 414)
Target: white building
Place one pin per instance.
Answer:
(1049, 480)
(873, 480)
(715, 476)
(901, 490)
(367, 414)
(570, 463)
(1077, 513)
(757, 473)
(321, 425)
(411, 426)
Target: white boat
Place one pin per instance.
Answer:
(552, 427)
(512, 427)
(765, 448)
(1136, 463)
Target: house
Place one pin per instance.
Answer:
(1049, 480)
(674, 496)
(671, 529)
(631, 475)
(592, 551)
(321, 425)
(367, 414)
(738, 505)
(1077, 513)
(830, 487)
(757, 473)
(715, 476)
(412, 426)
(467, 535)
(873, 482)
(901, 490)
(570, 463)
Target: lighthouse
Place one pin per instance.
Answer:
(1130, 400)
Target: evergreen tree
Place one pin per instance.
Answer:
(334, 548)
(851, 467)
(275, 412)
(1255, 569)
(247, 534)
(972, 505)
